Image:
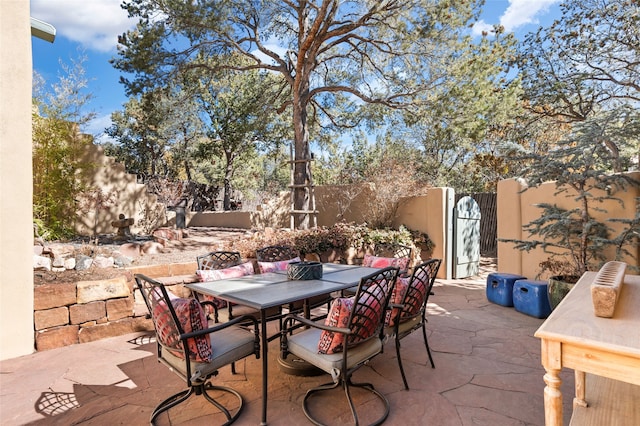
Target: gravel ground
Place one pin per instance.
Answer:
(195, 241)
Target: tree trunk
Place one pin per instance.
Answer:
(228, 174)
(301, 152)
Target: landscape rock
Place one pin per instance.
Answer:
(41, 262)
(122, 261)
(83, 262)
(89, 291)
(70, 263)
(48, 296)
(48, 318)
(152, 247)
(103, 262)
(58, 262)
(131, 250)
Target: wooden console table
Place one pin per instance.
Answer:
(575, 338)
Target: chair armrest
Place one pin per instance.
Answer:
(289, 319)
(242, 319)
(288, 326)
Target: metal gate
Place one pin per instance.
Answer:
(466, 243)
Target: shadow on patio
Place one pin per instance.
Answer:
(488, 372)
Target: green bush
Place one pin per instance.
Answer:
(339, 237)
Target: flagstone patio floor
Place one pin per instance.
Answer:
(487, 372)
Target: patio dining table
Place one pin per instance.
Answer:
(264, 291)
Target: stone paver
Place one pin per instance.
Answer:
(487, 372)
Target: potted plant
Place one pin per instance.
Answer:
(586, 167)
(561, 281)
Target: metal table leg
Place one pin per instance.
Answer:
(265, 350)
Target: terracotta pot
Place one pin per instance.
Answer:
(558, 287)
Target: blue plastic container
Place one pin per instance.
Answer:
(500, 288)
(530, 297)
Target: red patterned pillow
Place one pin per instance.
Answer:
(276, 266)
(192, 318)
(331, 342)
(368, 313)
(383, 262)
(206, 275)
(413, 302)
(396, 298)
(419, 293)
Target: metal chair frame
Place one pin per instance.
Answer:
(367, 295)
(154, 293)
(392, 249)
(276, 253)
(218, 260)
(415, 296)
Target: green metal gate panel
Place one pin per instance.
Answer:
(466, 260)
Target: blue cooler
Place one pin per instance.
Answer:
(530, 297)
(500, 288)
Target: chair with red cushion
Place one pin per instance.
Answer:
(350, 336)
(216, 260)
(409, 307)
(193, 350)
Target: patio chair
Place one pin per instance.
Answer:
(218, 260)
(351, 335)
(228, 264)
(277, 257)
(385, 255)
(392, 250)
(193, 350)
(276, 253)
(409, 307)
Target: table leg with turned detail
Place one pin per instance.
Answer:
(552, 398)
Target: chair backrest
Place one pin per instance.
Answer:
(370, 305)
(276, 253)
(218, 260)
(418, 288)
(163, 314)
(392, 250)
(172, 317)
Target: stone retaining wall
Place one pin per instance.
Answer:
(84, 311)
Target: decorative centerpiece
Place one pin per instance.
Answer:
(304, 270)
(606, 287)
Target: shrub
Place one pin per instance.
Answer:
(339, 237)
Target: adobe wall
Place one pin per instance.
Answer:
(516, 208)
(131, 198)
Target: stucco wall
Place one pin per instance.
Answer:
(131, 198)
(16, 215)
(429, 214)
(516, 208)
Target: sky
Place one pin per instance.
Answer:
(90, 28)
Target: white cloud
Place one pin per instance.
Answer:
(518, 13)
(482, 27)
(523, 12)
(95, 24)
(98, 125)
